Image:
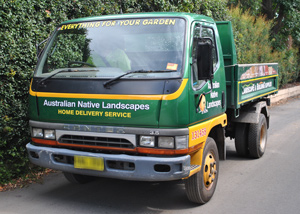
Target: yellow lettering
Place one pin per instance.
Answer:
(117, 114)
(161, 22)
(172, 22)
(89, 113)
(63, 111)
(97, 24)
(150, 22)
(155, 22)
(91, 24)
(83, 25)
(132, 22)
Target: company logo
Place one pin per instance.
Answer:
(252, 87)
(202, 104)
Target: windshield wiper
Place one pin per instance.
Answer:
(109, 82)
(61, 71)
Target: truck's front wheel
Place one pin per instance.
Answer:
(201, 186)
(258, 137)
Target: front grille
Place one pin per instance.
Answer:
(96, 141)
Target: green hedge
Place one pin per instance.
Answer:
(25, 23)
(253, 45)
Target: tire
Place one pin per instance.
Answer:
(77, 179)
(241, 139)
(257, 138)
(201, 186)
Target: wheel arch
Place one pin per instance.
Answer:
(250, 113)
(218, 134)
(213, 128)
(265, 112)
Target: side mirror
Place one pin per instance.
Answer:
(205, 59)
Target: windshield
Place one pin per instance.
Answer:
(110, 48)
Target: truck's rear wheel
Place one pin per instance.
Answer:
(77, 179)
(201, 186)
(258, 137)
(241, 139)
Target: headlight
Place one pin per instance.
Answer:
(36, 132)
(181, 142)
(166, 142)
(49, 134)
(148, 141)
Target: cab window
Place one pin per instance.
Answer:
(202, 32)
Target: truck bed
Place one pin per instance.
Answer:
(244, 82)
(249, 82)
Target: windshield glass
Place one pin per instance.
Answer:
(109, 48)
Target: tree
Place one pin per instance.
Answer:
(284, 13)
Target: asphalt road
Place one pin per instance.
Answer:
(267, 185)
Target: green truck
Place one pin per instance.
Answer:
(147, 97)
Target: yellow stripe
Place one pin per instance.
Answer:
(173, 96)
(251, 80)
(252, 98)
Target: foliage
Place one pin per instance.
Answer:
(289, 67)
(285, 15)
(253, 44)
(25, 23)
(251, 35)
(216, 8)
(253, 7)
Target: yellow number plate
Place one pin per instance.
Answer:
(93, 163)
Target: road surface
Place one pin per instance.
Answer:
(267, 185)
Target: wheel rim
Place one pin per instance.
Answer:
(263, 137)
(209, 170)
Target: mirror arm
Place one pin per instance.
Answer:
(37, 45)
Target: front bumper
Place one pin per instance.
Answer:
(145, 168)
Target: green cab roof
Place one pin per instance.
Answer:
(189, 16)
